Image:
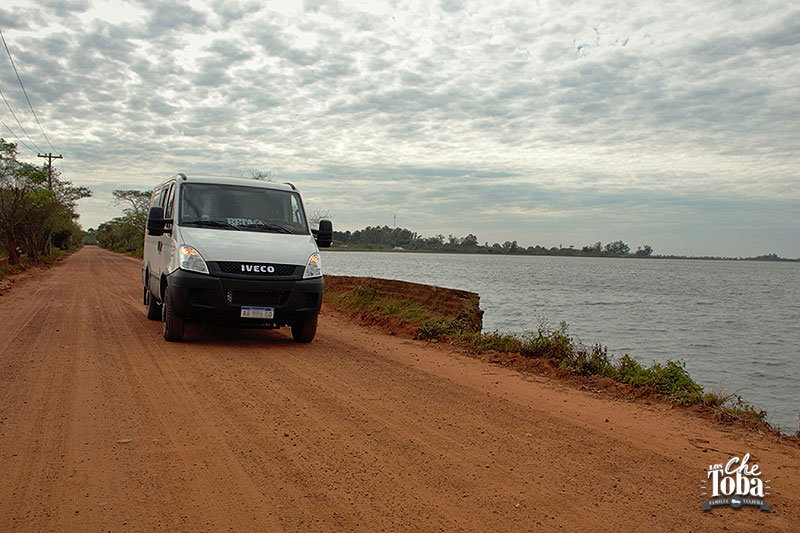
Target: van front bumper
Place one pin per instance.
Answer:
(201, 297)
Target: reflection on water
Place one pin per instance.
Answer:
(735, 323)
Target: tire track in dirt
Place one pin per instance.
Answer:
(224, 494)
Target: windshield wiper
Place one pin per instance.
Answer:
(213, 223)
(275, 228)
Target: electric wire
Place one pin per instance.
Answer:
(23, 143)
(18, 122)
(25, 92)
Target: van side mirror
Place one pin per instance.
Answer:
(324, 235)
(156, 221)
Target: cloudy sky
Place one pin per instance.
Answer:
(552, 123)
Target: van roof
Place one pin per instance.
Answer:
(242, 182)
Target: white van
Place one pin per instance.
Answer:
(232, 250)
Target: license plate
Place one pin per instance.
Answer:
(257, 312)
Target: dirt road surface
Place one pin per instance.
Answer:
(106, 427)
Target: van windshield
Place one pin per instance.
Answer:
(239, 208)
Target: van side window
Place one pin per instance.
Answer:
(170, 200)
(155, 198)
(297, 217)
(162, 195)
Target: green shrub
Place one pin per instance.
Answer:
(496, 341)
(438, 326)
(556, 345)
(591, 362)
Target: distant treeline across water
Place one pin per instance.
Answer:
(386, 238)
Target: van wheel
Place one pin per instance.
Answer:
(172, 322)
(304, 331)
(151, 305)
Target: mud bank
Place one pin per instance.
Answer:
(462, 305)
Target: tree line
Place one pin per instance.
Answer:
(37, 208)
(387, 238)
(125, 233)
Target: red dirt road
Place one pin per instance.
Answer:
(106, 427)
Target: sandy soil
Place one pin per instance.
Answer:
(106, 427)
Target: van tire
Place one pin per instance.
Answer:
(151, 305)
(172, 322)
(305, 331)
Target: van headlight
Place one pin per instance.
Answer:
(313, 267)
(190, 259)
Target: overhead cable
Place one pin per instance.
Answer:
(16, 136)
(24, 91)
(18, 122)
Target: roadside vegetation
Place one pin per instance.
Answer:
(558, 350)
(8, 269)
(125, 234)
(37, 212)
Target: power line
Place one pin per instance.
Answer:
(16, 136)
(18, 122)
(24, 91)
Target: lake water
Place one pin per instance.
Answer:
(736, 324)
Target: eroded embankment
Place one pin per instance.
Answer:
(404, 305)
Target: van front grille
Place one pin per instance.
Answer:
(266, 298)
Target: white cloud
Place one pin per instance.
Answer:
(446, 111)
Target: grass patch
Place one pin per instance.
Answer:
(669, 380)
(366, 300)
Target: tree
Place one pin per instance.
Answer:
(470, 241)
(595, 248)
(51, 213)
(35, 206)
(126, 233)
(260, 175)
(644, 251)
(139, 201)
(315, 214)
(16, 183)
(617, 248)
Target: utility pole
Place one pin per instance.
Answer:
(50, 158)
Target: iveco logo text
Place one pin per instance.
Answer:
(269, 269)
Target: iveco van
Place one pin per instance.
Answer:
(232, 250)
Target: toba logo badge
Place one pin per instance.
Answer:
(736, 484)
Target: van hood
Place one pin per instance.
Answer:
(249, 246)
